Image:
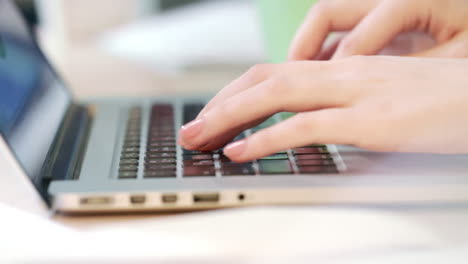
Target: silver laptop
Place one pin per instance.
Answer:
(116, 155)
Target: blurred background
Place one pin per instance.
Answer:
(152, 47)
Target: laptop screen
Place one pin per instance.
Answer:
(33, 100)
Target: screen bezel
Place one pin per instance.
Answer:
(39, 182)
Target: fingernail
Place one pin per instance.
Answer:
(236, 148)
(192, 129)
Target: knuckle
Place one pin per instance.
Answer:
(230, 109)
(303, 124)
(258, 71)
(278, 86)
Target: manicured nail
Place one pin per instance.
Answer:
(235, 149)
(192, 129)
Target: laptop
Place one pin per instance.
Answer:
(120, 154)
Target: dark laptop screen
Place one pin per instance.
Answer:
(32, 99)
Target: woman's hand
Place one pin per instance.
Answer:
(374, 24)
(378, 103)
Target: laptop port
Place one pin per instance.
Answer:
(97, 200)
(169, 198)
(137, 199)
(206, 197)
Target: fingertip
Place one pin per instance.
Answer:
(236, 150)
(296, 56)
(294, 52)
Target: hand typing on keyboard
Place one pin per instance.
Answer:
(378, 103)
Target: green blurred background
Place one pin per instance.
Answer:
(280, 21)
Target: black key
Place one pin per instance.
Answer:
(198, 162)
(128, 168)
(160, 161)
(161, 107)
(127, 175)
(275, 167)
(162, 133)
(198, 157)
(162, 144)
(132, 145)
(153, 134)
(133, 125)
(191, 111)
(136, 119)
(157, 150)
(160, 174)
(131, 150)
(162, 138)
(195, 171)
(157, 155)
(132, 138)
(194, 152)
(312, 156)
(317, 169)
(133, 134)
(131, 142)
(129, 162)
(323, 162)
(162, 149)
(224, 158)
(157, 167)
(167, 118)
(237, 169)
(162, 127)
(130, 156)
(276, 157)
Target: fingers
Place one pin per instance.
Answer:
(223, 139)
(272, 96)
(328, 50)
(324, 126)
(376, 30)
(325, 17)
(252, 77)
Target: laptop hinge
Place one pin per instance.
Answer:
(65, 157)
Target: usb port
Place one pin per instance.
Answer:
(206, 197)
(137, 199)
(97, 200)
(169, 198)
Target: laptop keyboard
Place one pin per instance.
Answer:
(130, 154)
(160, 154)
